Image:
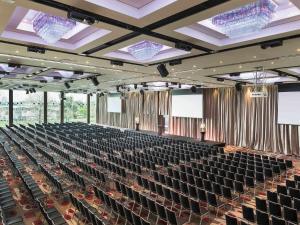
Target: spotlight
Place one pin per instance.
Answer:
(238, 87)
(162, 70)
(101, 94)
(95, 81)
(27, 91)
(118, 88)
(36, 49)
(167, 84)
(193, 89)
(80, 17)
(67, 85)
(78, 72)
(179, 85)
(183, 46)
(271, 44)
(116, 63)
(175, 62)
(30, 90)
(145, 85)
(220, 79)
(234, 74)
(135, 86)
(142, 92)
(14, 65)
(33, 90)
(91, 94)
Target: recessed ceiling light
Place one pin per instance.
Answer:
(298, 49)
(42, 63)
(272, 62)
(194, 66)
(8, 59)
(240, 66)
(254, 57)
(214, 70)
(172, 69)
(55, 57)
(17, 51)
(221, 62)
(87, 62)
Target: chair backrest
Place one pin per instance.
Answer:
(285, 200)
(201, 195)
(144, 201)
(184, 201)
(249, 181)
(226, 192)
(261, 204)
(239, 187)
(230, 220)
(171, 217)
(128, 215)
(175, 197)
(290, 215)
(281, 189)
(248, 213)
(167, 193)
(262, 218)
(151, 206)
(275, 209)
(161, 211)
(272, 196)
(294, 192)
(212, 199)
(136, 219)
(192, 191)
(277, 221)
(297, 204)
(195, 206)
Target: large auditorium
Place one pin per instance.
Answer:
(149, 112)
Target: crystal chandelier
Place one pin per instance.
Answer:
(52, 28)
(145, 50)
(247, 19)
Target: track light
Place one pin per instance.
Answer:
(36, 49)
(162, 70)
(67, 85)
(80, 17)
(118, 88)
(175, 62)
(116, 63)
(182, 46)
(33, 90)
(234, 74)
(193, 89)
(27, 91)
(220, 79)
(95, 81)
(167, 84)
(30, 90)
(135, 86)
(142, 92)
(179, 85)
(271, 44)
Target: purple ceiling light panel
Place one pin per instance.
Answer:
(52, 28)
(246, 19)
(145, 50)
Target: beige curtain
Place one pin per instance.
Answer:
(230, 116)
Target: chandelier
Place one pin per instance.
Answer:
(145, 50)
(52, 28)
(247, 19)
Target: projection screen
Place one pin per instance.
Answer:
(114, 104)
(289, 107)
(187, 105)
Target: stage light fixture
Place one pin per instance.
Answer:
(182, 46)
(116, 63)
(135, 86)
(162, 70)
(36, 49)
(220, 79)
(95, 81)
(67, 85)
(80, 17)
(194, 89)
(271, 44)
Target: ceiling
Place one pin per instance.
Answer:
(91, 48)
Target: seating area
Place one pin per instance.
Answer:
(72, 177)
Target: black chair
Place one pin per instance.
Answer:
(128, 215)
(294, 192)
(285, 200)
(201, 195)
(248, 213)
(261, 204)
(217, 189)
(262, 218)
(136, 219)
(249, 181)
(171, 217)
(281, 189)
(277, 221)
(290, 215)
(212, 201)
(297, 204)
(184, 202)
(161, 213)
(275, 209)
(272, 196)
(192, 191)
(230, 220)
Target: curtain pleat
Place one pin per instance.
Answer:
(230, 116)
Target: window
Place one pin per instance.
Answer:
(75, 107)
(3, 107)
(53, 114)
(93, 108)
(28, 108)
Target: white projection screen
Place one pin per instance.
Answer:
(114, 104)
(289, 107)
(189, 105)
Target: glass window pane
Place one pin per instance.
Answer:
(75, 107)
(53, 114)
(3, 107)
(28, 108)
(93, 108)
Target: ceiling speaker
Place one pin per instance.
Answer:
(162, 70)
(238, 86)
